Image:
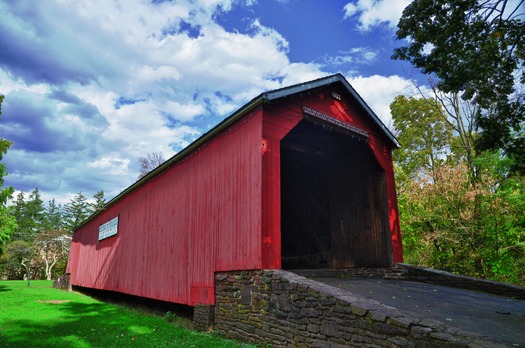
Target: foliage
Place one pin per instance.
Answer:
(473, 229)
(7, 221)
(149, 162)
(45, 232)
(99, 203)
(39, 316)
(461, 212)
(16, 260)
(32, 236)
(75, 212)
(425, 137)
(460, 116)
(53, 216)
(29, 215)
(51, 247)
(475, 49)
(7, 225)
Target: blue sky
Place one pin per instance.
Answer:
(91, 85)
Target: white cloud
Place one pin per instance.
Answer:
(357, 55)
(146, 85)
(112, 164)
(300, 72)
(379, 92)
(372, 13)
(183, 112)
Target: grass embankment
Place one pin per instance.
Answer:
(40, 316)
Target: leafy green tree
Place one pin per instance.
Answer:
(459, 212)
(16, 260)
(474, 49)
(29, 214)
(426, 137)
(7, 221)
(8, 226)
(75, 212)
(477, 230)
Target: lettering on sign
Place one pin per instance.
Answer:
(108, 229)
(329, 119)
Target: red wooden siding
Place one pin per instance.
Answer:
(175, 231)
(279, 119)
(219, 207)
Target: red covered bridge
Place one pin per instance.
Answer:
(300, 177)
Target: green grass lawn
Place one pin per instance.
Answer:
(40, 316)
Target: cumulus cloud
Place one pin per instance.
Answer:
(372, 13)
(112, 164)
(379, 91)
(109, 82)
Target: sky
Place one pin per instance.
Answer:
(91, 85)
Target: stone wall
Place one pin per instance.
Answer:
(203, 316)
(434, 276)
(392, 272)
(287, 310)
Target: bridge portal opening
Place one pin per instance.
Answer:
(334, 211)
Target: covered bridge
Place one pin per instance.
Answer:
(299, 177)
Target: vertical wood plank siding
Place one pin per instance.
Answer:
(280, 117)
(217, 209)
(200, 216)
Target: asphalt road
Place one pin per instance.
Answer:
(500, 318)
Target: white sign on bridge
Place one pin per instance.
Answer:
(108, 229)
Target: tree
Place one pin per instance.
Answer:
(52, 247)
(460, 115)
(149, 162)
(18, 214)
(53, 216)
(75, 212)
(29, 215)
(426, 136)
(7, 225)
(99, 203)
(17, 259)
(476, 230)
(7, 221)
(475, 49)
(460, 211)
(35, 210)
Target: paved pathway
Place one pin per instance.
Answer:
(500, 318)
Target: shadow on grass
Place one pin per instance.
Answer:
(80, 325)
(142, 304)
(98, 325)
(4, 288)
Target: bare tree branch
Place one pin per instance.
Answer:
(149, 162)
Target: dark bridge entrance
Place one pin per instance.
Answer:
(333, 199)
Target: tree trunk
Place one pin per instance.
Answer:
(49, 266)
